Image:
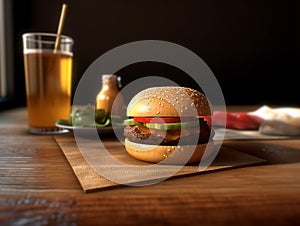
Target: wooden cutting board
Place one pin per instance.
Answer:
(91, 180)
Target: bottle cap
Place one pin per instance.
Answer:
(107, 76)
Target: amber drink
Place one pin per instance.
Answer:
(48, 74)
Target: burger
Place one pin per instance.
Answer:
(168, 125)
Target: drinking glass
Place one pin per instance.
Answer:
(48, 75)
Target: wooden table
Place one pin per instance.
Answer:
(37, 186)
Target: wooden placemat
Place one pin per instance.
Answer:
(91, 180)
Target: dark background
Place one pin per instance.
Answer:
(252, 46)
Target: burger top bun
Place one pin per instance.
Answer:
(168, 101)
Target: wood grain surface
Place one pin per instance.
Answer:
(38, 187)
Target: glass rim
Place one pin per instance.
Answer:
(66, 39)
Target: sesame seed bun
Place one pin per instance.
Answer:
(169, 101)
(173, 154)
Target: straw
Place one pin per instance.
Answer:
(60, 26)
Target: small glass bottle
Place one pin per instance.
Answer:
(109, 94)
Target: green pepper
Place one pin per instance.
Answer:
(87, 116)
(101, 116)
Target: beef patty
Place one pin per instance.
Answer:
(192, 136)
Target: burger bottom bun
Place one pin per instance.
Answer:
(171, 154)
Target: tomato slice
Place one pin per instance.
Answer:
(163, 119)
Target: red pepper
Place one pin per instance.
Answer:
(234, 120)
